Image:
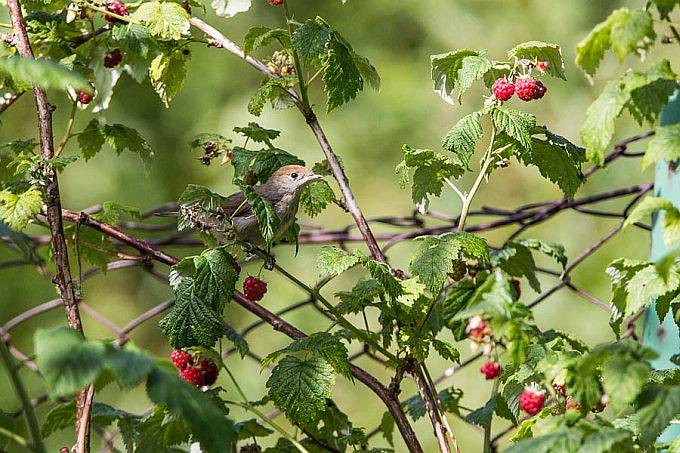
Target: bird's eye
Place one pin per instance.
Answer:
(293, 175)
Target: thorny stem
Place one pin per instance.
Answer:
(467, 201)
(31, 420)
(432, 411)
(247, 406)
(440, 409)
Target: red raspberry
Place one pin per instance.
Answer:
(543, 65)
(115, 7)
(84, 97)
(516, 286)
(540, 90)
(502, 89)
(275, 2)
(491, 370)
(111, 59)
(525, 87)
(180, 358)
(532, 399)
(254, 288)
(209, 370)
(192, 375)
(235, 265)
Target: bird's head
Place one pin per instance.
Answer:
(292, 177)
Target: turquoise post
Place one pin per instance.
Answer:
(664, 337)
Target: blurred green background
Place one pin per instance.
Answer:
(398, 38)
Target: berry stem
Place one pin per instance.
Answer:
(467, 201)
(69, 128)
(296, 60)
(249, 407)
(460, 194)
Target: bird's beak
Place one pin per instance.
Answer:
(313, 177)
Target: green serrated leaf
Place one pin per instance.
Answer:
(515, 123)
(342, 79)
(123, 138)
(598, 129)
(299, 387)
(310, 40)
(461, 139)
(267, 218)
(215, 278)
(261, 36)
(315, 197)
(168, 71)
(555, 164)
(91, 140)
(473, 68)
(323, 344)
(647, 207)
(257, 133)
(333, 260)
(263, 163)
(445, 69)
(624, 32)
(164, 20)
(44, 73)
(192, 322)
(251, 428)
(541, 51)
(208, 424)
(665, 145)
(655, 417)
(17, 209)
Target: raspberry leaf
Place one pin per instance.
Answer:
(258, 134)
(267, 219)
(261, 36)
(263, 162)
(208, 424)
(445, 69)
(192, 321)
(541, 51)
(381, 272)
(665, 145)
(43, 73)
(310, 40)
(91, 140)
(333, 260)
(270, 89)
(433, 260)
(17, 209)
(482, 416)
(654, 418)
(167, 73)
(430, 171)
(473, 68)
(323, 344)
(516, 124)
(250, 428)
(461, 139)
(598, 129)
(166, 21)
(623, 32)
(315, 197)
(551, 249)
(556, 164)
(215, 278)
(299, 387)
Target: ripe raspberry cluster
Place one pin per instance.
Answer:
(254, 289)
(491, 369)
(532, 399)
(112, 58)
(525, 86)
(196, 371)
(115, 7)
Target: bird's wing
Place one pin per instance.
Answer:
(237, 206)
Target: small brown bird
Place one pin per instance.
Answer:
(283, 190)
